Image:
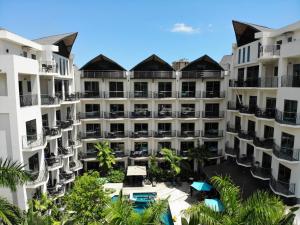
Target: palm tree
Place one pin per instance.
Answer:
(122, 212)
(173, 160)
(105, 156)
(199, 154)
(259, 209)
(12, 174)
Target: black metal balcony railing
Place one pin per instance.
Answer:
(282, 187)
(64, 151)
(201, 74)
(184, 153)
(34, 140)
(164, 133)
(91, 115)
(214, 153)
(189, 94)
(266, 143)
(141, 133)
(164, 114)
(72, 96)
(49, 100)
(262, 172)
(153, 75)
(188, 114)
(290, 118)
(141, 114)
(268, 113)
(230, 151)
(247, 135)
(248, 109)
(90, 153)
(290, 81)
(165, 94)
(103, 74)
(213, 94)
(55, 191)
(53, 161)
(119, 153)
(212, 114)
(115, 94)
(245, 160)
(116, 114)
(28, 100)
(232, 129)
(64, 124)
(268, 82)
(140, 153)
(48, 67)
(52, 131)
(212, 133)
(116, 134)
(92, 94)
(140, 94)
(188, 133)
(66, 176)
(286, 153)
(91, 134)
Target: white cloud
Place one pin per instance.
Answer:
(183, 28)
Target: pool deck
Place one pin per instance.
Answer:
(179, 198)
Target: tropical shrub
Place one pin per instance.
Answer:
(116, 176)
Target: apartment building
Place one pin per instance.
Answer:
(38, 123)
(263, 124)
(150, 107)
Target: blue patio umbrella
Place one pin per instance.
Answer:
(215, 204)
(201, 186)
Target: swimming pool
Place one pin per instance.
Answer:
(141, 202)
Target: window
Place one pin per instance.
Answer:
(290, 39)
(28, 86)
(258, 49)
(33, 56)
(278, 44)
(244, 54)
(268, 132)
(165, 144)
(25, 54)
(91, 88)
(117, 127)
(116, 89)
(212, 110)
(31, 130)
(140, 107)
(141, 146)
(251, 127)
(141, 89)
(187, 127)
(188, 107)
(140, 127)
(33, 163)
(188, 89)
(275, 73)
(45, 120)
(92, 108)
(117, 146)
(164, 127)
(240, 78)
(284, 174)
(287, 141)
(116, 108)
(92, 128)
(248, 54)
(211, 127)
(58, 115)
(239, 57)
(212, 146)
(165, 107)
(186, 145)
(213, 89)
(164, 89)
(290, 111)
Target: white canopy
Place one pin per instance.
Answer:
(136, 171)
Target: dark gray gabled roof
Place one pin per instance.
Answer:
(102, 63)
(203, 63)
(153, 63)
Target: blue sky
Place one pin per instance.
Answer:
(128, 31)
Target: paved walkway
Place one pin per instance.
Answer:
(179, 198)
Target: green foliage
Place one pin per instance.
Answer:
(155, 172)
(259, 209)
(87, 199)
(105, 156)
(9, 213)
(200, 153)
(116, 176)
(173, 159)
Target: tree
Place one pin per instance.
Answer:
(87, 199)
(12, 174)
(173, 160)
(259, 209)
(105, 156)
(155, 172)
(199, 154)
(121, 212)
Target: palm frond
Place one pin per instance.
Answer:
(9, 213)
(12, 174)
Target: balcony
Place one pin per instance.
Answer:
(116, 114)
(93, 134)
(164, 114)
(266, 143)
(188, 133)
(91, 94)
(247, 135)
(54, 162)
(282, 188)
(72, 97)
(56, 191)
(48, 67)
(65, 151)
(52, 131)
(212, 114)
(201, 74)
(247, 109)
(244, 160)
(290, 81)
(212, 154)
(232, 129)
(261, 172)
(190, 94)
(141, 114)
(264, 82)
(285, 153)
(91, 115)
(38, 178)
(49, 100)
(75, 143)
(115, 94)
(289, 118)
(33, 141)
(28, 100)
(140, 153)
(153, 75)
(67, 177)
(140, 94)
(267, 51)
(90, 154)
(75, 165)
(268, 113)
(116, 134)
(164, 133)
(213, 94)
(103, 74)
(141, 134)
(119, 153)
(188, 114)
(230, 151)
(65, 124)
(212, 133)
(165, 94)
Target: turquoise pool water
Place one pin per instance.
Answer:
(141, 203)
